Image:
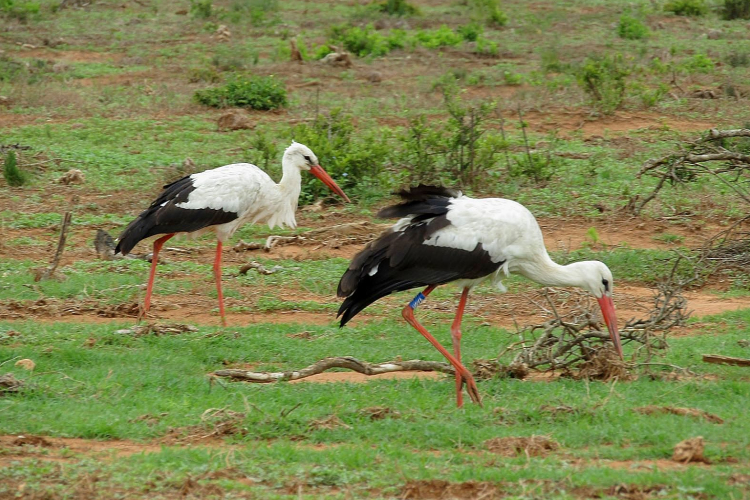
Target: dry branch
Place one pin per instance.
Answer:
(725, 360)
(339, 362)
(60, 247)
(697, 158)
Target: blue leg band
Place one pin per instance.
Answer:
(417, 300)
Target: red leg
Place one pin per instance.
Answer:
(154, 260)
(456, 337)
(461, 371)
(217, 276)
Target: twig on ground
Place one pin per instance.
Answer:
(347, 362)
(47, 273)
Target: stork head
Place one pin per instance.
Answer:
(597, 278)
(300, 156)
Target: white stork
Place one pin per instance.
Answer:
(443, 236)
(221, 200)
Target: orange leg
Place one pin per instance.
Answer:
(217, 276)
(154, 260)
(461, 371)
(456, 337)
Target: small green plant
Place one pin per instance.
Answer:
(259, 92)
(361, 41)
(603, 78)
(738, 59)
(13, 175)
(201, 9)
(735, 9)
(512, 78)
(693, 8)
(488, 11)
(631, 28)
(486, 48)
(441, 37)
(470, 32)
(20, 11)
(699, 63)
(398, 8)
(355, 161)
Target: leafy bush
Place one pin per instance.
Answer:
(259, 92)
(441, 37)
(486, 47)
(356, 162)
(398, 8)
(699, 63)
(631, 28)
(693, 8)
(470, 32)
(21, 11)
(201, 9)
(13, 175)
(736, 9)
(603, 78)
(361, 41)
(738, 59)
(460, 151)
(10, 69)
(488, 11)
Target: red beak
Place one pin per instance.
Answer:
(610, 318)
(326, 179)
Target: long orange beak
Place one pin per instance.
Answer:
(326, 179)
(610, 318)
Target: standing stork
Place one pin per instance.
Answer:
(443, 236)
(221, 200)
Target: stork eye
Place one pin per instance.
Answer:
(605, 282)
(307, 158)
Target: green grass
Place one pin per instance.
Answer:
(100, 391)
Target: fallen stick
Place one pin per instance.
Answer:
(60, 247)
(339, 362)
(725, 360)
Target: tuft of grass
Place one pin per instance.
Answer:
(735, 9)
(258, 92)
(692, 8)
(631, 28)
(13, 175)
(398, 8)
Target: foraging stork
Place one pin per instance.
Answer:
(443, 236)
(221, 200)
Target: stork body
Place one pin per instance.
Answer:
(443, 236)
(221, 200)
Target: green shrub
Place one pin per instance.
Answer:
(699, 63)
(736, 9)
(470, 32)
(693, 8)
(361, 41)
(10, 69)
(398, 8)
(441, 37)
(356, 162)
(201, 9)
(631, 28)
(258, 92)
(603, 78)
(488, 11)
(738, 59)
(13, 175)
(20, 11)
(487, 47)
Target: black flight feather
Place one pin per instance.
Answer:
(164, 217)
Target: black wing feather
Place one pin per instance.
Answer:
(164, 217)
(402, 259)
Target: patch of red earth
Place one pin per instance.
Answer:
(661, 464)
(67, 55)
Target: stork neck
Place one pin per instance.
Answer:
(290, 185)
(547, 272)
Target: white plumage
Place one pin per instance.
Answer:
(221, 200)
(442, 237)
